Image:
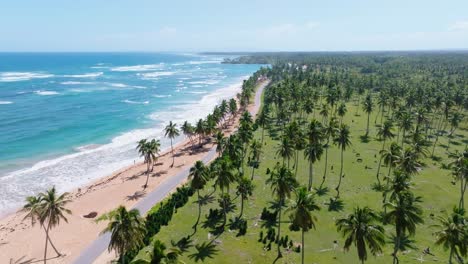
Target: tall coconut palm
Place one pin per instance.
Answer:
(361, 228)
(52, 210)
(244, 189)
(282, 183)
(199, 176)
(285, 149)
(452, 234)
(225, 174)
(200, 130)
(341, 111)
(329, 132)
(368, 107)
(142, 148)
(33, 212)
(220, 141)
(301, 216)
(127, 230)
(313, 152)
(171, 131)
(343, 140)
(385, 132)
(406, 124)
(233, 108)
(188, 130)
(262, 120)
(405, 214)
(460, 173)
(255, 152)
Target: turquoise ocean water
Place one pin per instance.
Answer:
(69, 118)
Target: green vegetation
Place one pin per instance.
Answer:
(310, 111)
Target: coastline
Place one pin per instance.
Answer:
(121, 187)
(122, 143)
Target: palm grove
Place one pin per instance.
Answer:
(342, 137)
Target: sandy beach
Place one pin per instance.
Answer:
(22, 243)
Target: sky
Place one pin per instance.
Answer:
(236, 25)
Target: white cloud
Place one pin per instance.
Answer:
(459, 25)
(312, 25)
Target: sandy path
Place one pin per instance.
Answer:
(19, 243)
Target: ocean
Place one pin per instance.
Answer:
(67, 119)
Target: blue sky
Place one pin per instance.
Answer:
(237, 25)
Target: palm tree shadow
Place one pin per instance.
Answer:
(137, 195)
(364, 139)
(184, 244)
(205, 199)
(205, 250)
(335, 205)
(22, 260)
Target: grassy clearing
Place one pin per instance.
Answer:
(433, 183)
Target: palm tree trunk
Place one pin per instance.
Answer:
(199, 210)
(263, 133)
(341, 176)
(46, 242)
(122, 257)
(242, 207)
(172, 150)
(50, 241)
(403, 139)
(311, 174)
(279, 229)
(462, 193)
(367, 129)
(451, 255)
(380, 163)
(326, 164)
(386, 188)
(302, 249)
(395, 250)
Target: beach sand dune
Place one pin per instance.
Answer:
(21, 243)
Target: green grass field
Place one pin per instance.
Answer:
(432, 183)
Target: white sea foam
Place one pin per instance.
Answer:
(92, 162)
(134, 102)
(197, 92)
(162, 95)
(85, 75)
(137, 68)
(40, 92)
(76, 83)
(205, 62)
(118, 85)
(152, 75)
(5, 102)
(210, 82)
(22, 76)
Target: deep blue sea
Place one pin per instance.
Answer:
(69, 118)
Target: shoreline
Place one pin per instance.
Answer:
(121, 187)
(96, 175)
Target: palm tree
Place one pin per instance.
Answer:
(255, 151)
(384, 133)
(368, 107)
(361, 228)
(313, 152)
(199, 176)
(282, 183)
(232, 108)
(342, 139)
(453, 234)
(32, 209)
(341, 111)
(301, 216)
(142, 148)
(285, 149)
(405, 214)
(329, 132)
(157, 252)
(262, 120)
(187, 130)
(390, 157)
(51, 210)
(460, 173)
(225, 174)
(220, 141)
(200, 130)
(127, 230)
(406, 123)
(149, 150)
(244, 189)
(172, 132)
